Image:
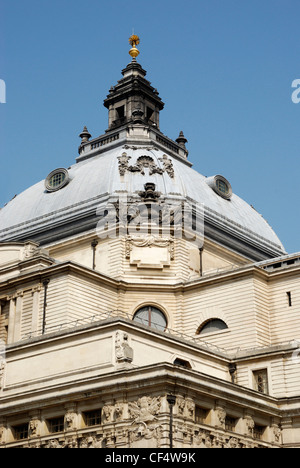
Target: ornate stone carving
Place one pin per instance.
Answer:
(233, 443)
(34, 427)
(145, 162)
(277, 433)
(92, 441)
(143, 435)
(124, 353)
(30, 249)
(250, 424)
(70, 419)
(119, 410)
(145, 409)
(34, 445)
(190, 406)
(2, 434)
(55, 444)
(107, 413)
(168, 165)
(180, 406)
(149, 241)
(2, 372)
(149, 194)
(221, 416)
(123, 163)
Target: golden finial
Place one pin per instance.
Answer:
(134, 40)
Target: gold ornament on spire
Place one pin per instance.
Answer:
(134, 40)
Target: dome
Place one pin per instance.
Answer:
(37, 212)
(132, 152)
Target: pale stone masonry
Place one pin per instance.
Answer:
(97, 331)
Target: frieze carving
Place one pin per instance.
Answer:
(145, 409)
(145, 162)
(143, 434)
(34, 445)
(208, 439)
(55, 444)
(92, 441)
(183, 433)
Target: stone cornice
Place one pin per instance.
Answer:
(230, 275)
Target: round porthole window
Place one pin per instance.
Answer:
(221, 186)
(56, 180)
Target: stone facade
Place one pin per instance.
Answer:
(97, 333)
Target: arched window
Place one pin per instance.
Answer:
(213, 325)
(151, 317)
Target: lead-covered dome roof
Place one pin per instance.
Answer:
(43, 214)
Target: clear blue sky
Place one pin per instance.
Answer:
(224, 68)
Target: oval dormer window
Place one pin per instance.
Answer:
(221, 186)
(56, 180)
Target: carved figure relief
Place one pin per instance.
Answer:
(70, 419)
(180, 406)
(119, 409)
(124, 353)
(277, 433)
(190, 406)
(221, 416)
(106, 413)
(250, 424)
(145, 409)
(33, 427)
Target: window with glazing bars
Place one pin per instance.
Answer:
(21, 431)
(92, 418)
(261, 381)
(56, 425)
(230, 424)
(258, 432)
(200, 415)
